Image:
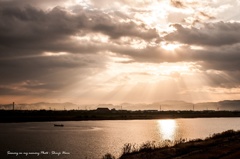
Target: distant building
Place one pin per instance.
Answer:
(102, 110)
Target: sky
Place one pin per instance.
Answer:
(102, 51)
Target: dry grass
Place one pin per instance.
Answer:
(229, 141)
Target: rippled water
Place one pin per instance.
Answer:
(93, 139)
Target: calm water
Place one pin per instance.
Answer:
(93, 139)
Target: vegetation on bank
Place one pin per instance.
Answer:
(225, 144)
(77, 115)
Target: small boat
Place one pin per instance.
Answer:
(58, 125)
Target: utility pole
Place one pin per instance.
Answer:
(13, 105)
(193, 107)
(160, 108)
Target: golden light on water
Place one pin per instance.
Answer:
(167, 129)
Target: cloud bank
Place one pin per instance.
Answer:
(87, 50)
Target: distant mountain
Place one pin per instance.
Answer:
(230, 105)
(206, 106)
(6, 106)
(41, 105)
(176, 105)
(164, 105)
(182, 105)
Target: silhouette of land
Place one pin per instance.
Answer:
(224, 145)
(105, 114)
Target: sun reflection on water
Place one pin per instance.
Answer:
(167, 129)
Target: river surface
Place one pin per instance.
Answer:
(93, 139)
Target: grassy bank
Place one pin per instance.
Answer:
(224, 145)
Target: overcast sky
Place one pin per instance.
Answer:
(104, 51)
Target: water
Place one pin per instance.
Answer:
(93, 139)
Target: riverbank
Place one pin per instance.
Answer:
(219, 146)
(225, 145)
(79, 115)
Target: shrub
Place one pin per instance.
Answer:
(179, 141)
(129, 148)
(108, 156)
(227, 133)
(147, 146)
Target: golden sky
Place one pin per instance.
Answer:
(102, 51)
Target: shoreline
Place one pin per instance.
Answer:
(10, 116)
(223, 145)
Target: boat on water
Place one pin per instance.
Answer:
(58, 125)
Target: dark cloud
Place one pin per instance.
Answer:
(211, 34)
(40, 51)
(178, 4)
(44, 4)
(47, 73)
(224, 57)
(28, 29)
(220, 65)
(206, 15)
(226, 79)
(28, 34)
